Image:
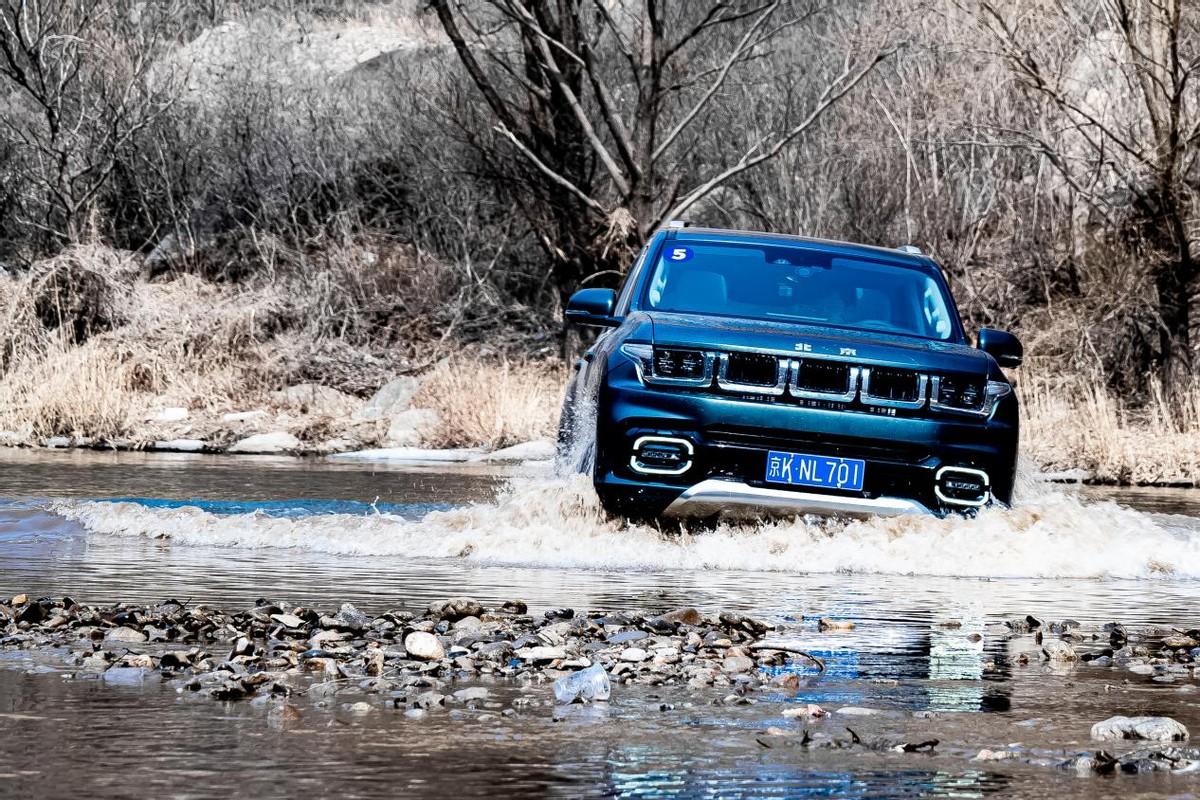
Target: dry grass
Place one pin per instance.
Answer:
(1074, 422)
(74, 391)
(96, 358)
(492, 404)
(92, 363)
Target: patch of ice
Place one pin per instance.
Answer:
(410, 454)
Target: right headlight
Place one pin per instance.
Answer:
(670, 366)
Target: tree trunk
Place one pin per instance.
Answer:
(1174, 283)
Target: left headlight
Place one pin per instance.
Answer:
(967, 395)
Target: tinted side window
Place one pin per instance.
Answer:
(623, 299)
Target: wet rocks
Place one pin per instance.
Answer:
(426, 663)
(1058, 651)
(737, 663)
(455, 608)
(680, 616)
(1157, 759)
(739, 623)
(424, 646)
(350, 617)
(827, 624)
(634, 654)
(541, 655)
(31, 613)
(288, 620)
(123, 635)
(1157, 729)
(1026, 624)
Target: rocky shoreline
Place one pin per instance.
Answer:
(460, 658)
(302, 420)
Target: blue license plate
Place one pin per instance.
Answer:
(825, 472)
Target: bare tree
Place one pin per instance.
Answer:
(603, 101)
(77, 74)
(1121, 78)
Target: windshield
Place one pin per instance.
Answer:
(796, 284)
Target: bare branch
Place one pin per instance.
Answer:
(548, 172)
(747, 42)
(585, 124)
(754, 156)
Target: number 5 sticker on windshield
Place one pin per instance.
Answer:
(679, 254)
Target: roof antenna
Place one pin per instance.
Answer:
(910, 248)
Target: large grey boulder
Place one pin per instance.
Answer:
(313, 398)
(180, 445)
(1058, 651)
(1155, 729)
(407, 428)
(424, 646)
(123, 635)
(265, 443)
(393, 398)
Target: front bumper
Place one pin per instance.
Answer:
(732, 436)
(714, 497)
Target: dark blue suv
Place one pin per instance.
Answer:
(752, 374)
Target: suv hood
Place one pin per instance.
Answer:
(903, 352)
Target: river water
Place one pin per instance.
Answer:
(928, 598)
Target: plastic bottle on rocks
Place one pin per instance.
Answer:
(586, 685)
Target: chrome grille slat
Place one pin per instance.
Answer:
(847, 396)
(773, 390)
(922, 382)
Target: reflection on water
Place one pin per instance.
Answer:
(228, 531)
(183, 476)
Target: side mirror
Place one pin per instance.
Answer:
(592, 307)
(1002, 346)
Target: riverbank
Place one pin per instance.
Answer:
(487, 408)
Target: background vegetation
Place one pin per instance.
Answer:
(206, 202)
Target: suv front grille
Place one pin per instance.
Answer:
(817, 382)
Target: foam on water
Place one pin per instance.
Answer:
(557, 523)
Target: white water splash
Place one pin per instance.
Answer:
(557, 523)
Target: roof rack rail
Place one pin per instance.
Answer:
(910, 248)
(678, 223)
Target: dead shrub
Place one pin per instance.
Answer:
(82, 291)
(1074, 421)
(491, 404)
